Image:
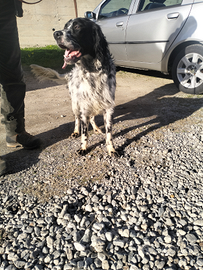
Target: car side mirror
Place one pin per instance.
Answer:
(90, 15)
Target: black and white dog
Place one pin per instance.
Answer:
(92, 82)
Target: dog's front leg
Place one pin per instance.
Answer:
(76, 131)
(84, 134)
(108, 126)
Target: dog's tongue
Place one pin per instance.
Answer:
(70, 56)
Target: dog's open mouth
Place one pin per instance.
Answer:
(71, 56)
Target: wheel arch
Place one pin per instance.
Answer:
(177, 49)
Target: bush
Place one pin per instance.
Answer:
(50, 56)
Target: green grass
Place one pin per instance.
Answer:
(50, 56)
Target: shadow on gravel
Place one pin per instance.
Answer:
(157, 109)
(22, 159)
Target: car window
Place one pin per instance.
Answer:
(114, 8)
(145, 5)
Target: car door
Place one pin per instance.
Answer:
(113, 17)
(150, 32)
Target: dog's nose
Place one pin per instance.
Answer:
(58, 34)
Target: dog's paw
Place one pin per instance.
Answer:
(111, 151)
(114, 154)
(75, 135)
(82, 152)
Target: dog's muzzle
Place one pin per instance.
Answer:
(72, 50)
(58, 34)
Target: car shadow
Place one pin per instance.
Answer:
(148, 73)
(150, 112)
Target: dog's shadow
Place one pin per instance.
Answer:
(157, 109)
(153, 111)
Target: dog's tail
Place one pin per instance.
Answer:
(43, 74)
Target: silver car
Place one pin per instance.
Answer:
(162, 35)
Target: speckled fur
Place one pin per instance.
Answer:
(92, 81)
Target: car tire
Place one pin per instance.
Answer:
(187, 69)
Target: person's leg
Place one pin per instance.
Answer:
(11, 83)
(11, 78)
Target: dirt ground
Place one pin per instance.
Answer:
(141, 96)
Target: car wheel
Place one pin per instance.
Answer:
(187, 70)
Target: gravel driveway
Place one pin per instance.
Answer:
(141, 210)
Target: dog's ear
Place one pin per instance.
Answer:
(100, 44)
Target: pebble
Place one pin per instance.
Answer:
(119, 243)
(88, 208)
(145, 212)
(105, 264)
(167, 239)
(79, 246)
(200, 262)
(124, 232)
(109, 236)
(198, 222)
(191, 238)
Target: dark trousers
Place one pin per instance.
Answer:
(11, 76)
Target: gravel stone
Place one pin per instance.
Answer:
(167, 239)
(105, 264)
(19, 264)
(198, 222)
(191, 238)
(159, 264)
(109, 236)
(119, 243)
(140, 210)
(101, 256)
(79, 246)
(200, 262)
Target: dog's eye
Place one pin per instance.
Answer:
(76, 27)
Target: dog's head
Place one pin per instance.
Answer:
(79, 38)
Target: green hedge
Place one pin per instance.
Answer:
(50, 56)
